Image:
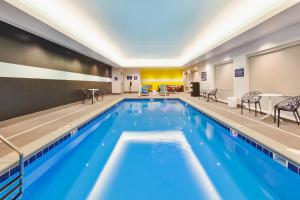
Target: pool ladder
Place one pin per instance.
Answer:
(13, 189)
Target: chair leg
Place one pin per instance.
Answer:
(249, 107)
(242, 107)
(208, 98)
(294, 112)
(83, 99)
(216, 98)
(259, 107)
(298, 114)
(278, 120)
(255, 104)
(274, 115)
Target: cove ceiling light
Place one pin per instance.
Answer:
(236, 17)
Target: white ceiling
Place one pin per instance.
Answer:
(152, 32)
(152, 29)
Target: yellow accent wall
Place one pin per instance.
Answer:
(156, 77)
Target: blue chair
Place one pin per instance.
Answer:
(144, 90)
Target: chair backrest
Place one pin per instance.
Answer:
(252, 96)
(290, 103)
(85, 91)
(213, 92)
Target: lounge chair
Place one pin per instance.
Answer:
(144, 90)
(291, 104)
(163, 90)
(212, 93)
(251, 97)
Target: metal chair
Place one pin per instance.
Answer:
(251, 97)
(86, 95)
(203, 93)
(212, 93)
(99, 93)
(290, 105)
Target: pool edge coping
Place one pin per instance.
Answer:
(271, 145)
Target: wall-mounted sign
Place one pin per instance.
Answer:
(135, 77)
(240, 72)
(203, 76)
(129, 77)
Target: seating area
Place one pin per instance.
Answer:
(289, 104)
(163, 90)
(92, 95)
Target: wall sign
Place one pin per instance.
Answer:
(129, 77)
(135, 77)
(240, 72)
(203, 76)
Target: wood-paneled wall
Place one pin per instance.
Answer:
(20, 96)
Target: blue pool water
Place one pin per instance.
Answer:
(159, 149)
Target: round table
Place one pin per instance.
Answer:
(270, 103)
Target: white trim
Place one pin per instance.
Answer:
(273, 49)
(223, 62)
(161, 80)
(22, 71)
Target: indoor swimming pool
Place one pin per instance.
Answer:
(157, 149)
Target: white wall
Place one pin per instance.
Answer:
(195, 77)
(239, 57)
(117, 85)
(135, 83)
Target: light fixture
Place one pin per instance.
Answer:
(237, 17)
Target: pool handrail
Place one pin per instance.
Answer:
(8, 189)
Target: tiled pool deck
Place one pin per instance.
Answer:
(36, 131)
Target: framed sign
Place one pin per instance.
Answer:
(129, 77)
(240, 72)
(203, 76)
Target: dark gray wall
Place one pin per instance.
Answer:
(21, 96)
